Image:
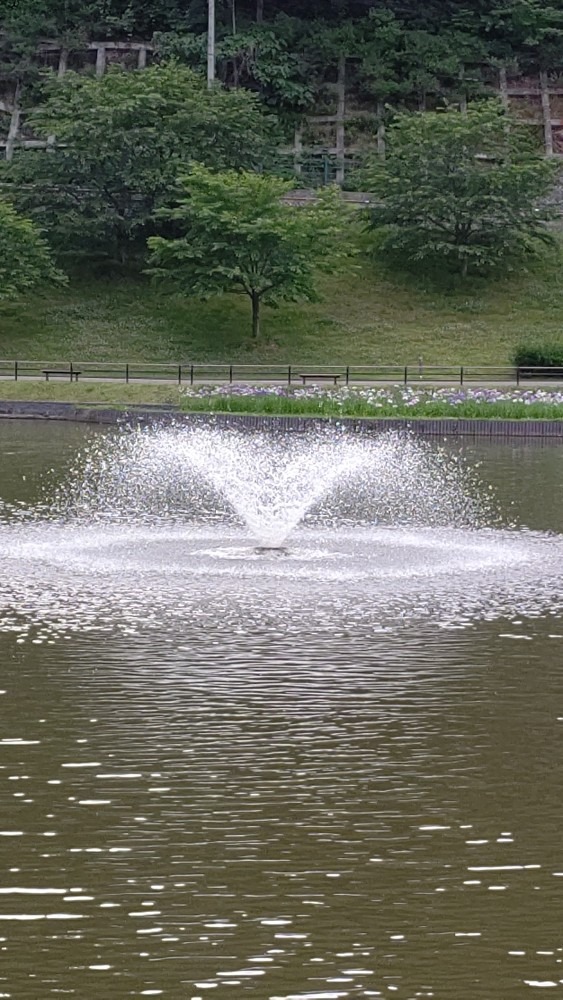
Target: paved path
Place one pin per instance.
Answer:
(415, 381)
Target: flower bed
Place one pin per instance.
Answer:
(387, 401)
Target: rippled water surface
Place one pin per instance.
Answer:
(335, 773)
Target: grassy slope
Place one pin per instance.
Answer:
(364, 317)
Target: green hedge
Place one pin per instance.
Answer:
(539, 356)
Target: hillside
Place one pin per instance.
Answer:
(365, 316)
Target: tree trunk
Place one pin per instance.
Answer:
(259, 11)
(255, 298)
(464, 267)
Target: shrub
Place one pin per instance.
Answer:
(533, 356)
(539, 355)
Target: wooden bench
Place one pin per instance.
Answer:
(71, 372)
(320, 376)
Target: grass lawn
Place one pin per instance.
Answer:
(109, 393)
(365, 316)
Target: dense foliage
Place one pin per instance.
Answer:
(285, 49)
(25, 260)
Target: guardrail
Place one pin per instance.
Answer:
(291, 375)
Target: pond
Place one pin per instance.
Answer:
(331, 774)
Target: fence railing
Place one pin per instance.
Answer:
(184, 374)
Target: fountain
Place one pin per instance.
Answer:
(150, 525)
(271, 483)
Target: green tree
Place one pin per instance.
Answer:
(459, 189)
(118, 144)
(237, 234)
(25, 259)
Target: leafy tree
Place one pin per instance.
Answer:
(459, 189)
(120, 142)
(236, 234)
(25, 260)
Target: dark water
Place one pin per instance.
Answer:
(273, 793)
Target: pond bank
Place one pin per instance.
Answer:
(424, 427)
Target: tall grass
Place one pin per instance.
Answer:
(323, 407)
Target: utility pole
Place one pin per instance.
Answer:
(210, 43)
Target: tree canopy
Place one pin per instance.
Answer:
(235, 233)
(121, 141)
(461, 190)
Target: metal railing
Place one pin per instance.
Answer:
(184, 374)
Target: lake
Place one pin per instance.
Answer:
(319, 779)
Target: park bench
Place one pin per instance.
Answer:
(320, 376)
(71, 372)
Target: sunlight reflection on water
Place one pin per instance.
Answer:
(332, 774)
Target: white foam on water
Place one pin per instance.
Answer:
(154, 525)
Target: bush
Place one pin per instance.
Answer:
(539, 355)
(547, 356)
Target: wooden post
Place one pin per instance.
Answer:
(210, 43)
(463, 95)
(503, 87)
(13, 133)
(100, 59)
(63, 63)
(546, 111)
(14, 125)
(298, 150)
(340, 121)
(142, 57)
(380, 129)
